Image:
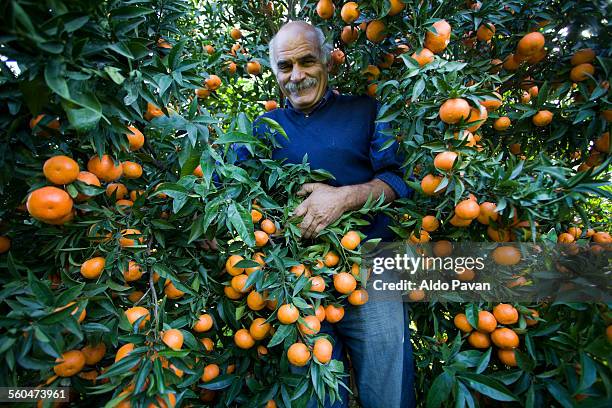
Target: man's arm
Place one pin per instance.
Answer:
(326, 204)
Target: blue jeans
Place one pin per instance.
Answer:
(377, 339)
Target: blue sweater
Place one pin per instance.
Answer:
(340, 136)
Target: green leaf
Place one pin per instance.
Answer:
(487, 386)
(440, 390)
(283, 331)
(54, 77)
(240, 219)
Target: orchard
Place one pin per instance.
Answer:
(144, 264)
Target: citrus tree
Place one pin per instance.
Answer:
(146, 265)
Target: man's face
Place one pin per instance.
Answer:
(301, 74)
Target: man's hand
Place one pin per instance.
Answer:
(324, 205)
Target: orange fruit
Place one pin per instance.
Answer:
(203, 324)
(371, 90)
(256, 216)
(135, 138)
(505, 338)
(609, 333)
(502, 123)
(358, 297)
(69, 364)
(461, 322)
(582, 56)
(479, 340)
(135, 313)
(601, 238)
(202, 93)
(485, 32)
(507, 357)
(270, 105)
(94, 353)
(344, 283)
(261, 238)
(505, 314)
(530, 44)
(171, 291)
(237, 283)
(349, 12)
(213, 82)
(375, 31)
(422, 238)
(542, 118)
(160, 401)
(92, 268)
(317, 284)
(430, 223)
(288, 314)
(298, 354)
(253, 68)
(454, 110)
(89, 179)
(255, 301)
(351, 240)
(135, 296)
(5, 244)
(349, 34)
(602, 144)
(236, 34)
(325, 9)
(437, 42)
(487, 213)
(511, 63)
(506, 255)
(61, 170)
(231, 67)
(396, 7)
(124, 351)
(580, 72)
(442, 248)
(486, 322)
(105, 168)
(386, 60)
(231, 293)
(209, 49)
(565, 238)
(311, 325)
(134, 194)
(268, 226)
(211, 371)
(299, 270)
(334, 314)
(423, 57)
(477, 116)
(124, 203)
(131, 170)
(534, 91)
(129, 242)
(229, 265)
(459, 222)
(320, 312)
(133, 273)
(445, 160)
(515, 148)
(49, 204)
(259, 258)
(498, 235)
(430, 183)
(119, 189)
(492, 103)
(467, 209)
(243, 339)
(173, 338)
(208, 344)
(532, 321)
(161, 43)
(331, 259)
(322, 350)
(53, 124)
(259, 328)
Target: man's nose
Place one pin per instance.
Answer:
(297, 74)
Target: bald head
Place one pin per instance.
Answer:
(299, 58)
(295, 29)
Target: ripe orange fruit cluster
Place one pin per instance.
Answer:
(488, 330)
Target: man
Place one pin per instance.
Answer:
(339, 134)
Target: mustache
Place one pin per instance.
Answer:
(294, 87)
